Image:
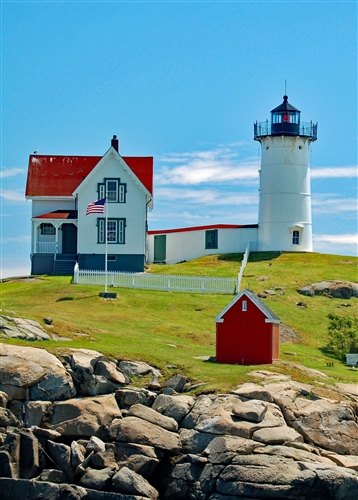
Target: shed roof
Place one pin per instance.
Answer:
(60, 175)
(270, 315)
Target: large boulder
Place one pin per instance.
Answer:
(35, 374)
(129, 482)
(137, 430)
(84, 416)
(176, 407)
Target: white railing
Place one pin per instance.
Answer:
(169, 283)
(242, 268)
(46, 247)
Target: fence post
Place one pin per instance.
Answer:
(76, 273)
(168, 286)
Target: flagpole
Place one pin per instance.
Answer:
(106, 246)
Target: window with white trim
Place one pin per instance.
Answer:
(295, 237)
(47, 228)
(113, 190)
(115, 230)
(244, 305)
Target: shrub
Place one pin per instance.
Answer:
(342, 335)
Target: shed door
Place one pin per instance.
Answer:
(160, 248)
(69, 238)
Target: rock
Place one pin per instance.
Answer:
(52, 476)
(222, 449)
(48, 321)
(7, 418)
(109, 370)
(61, 456)
(105, 458)
(84, 416)
(253, 391)
(176, 383)
(138, 369)
(265, 476)
(23, 328)
(335, 288)
(136, 430)
(3, 399)
(253, 410)
(194, 442)
(140, 458)
(262, 278)
(29, 456)
(43, 435)
(130, 396)
(10, 455)
(332, 426)
(97, 479)
(154, 417)
(19, 489)
(35, 412)
(176, 407)
(129, 482)
(37, 372)
(201, 405)
(276, 435)
(77, 454)
(154, 384)
(293, 453)
(95, 444)
(332, 482)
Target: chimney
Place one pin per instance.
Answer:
(115, 143)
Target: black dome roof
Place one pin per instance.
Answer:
(285, 106)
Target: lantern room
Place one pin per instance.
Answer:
(285, 119)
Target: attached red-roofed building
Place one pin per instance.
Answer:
(61, 188)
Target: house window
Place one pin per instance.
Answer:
(295, 237)
(113, 190)
(115, 230)
(244, 305)
(47, 229)
(112, 258)
(211, 239)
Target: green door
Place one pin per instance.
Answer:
(69, 238)
(160, 248)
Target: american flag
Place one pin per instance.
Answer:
(96, 207)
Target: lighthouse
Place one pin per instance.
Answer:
(285, 220)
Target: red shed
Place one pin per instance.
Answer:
(247, 332)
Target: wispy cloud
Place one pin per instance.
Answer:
(11, 172)
(334, 172)
(344, 239)
(12, 195)
(332, 205)
(220, 165)
(206, 197)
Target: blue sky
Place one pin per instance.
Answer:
(183, 82)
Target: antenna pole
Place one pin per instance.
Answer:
(285, 87)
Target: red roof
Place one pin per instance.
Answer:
(202, 228)
(58, 214)
(61, 175)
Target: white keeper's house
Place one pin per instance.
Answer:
(61, 187)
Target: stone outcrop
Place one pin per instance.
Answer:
(332, 288)
(269, 439)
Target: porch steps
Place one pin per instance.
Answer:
(64, 264)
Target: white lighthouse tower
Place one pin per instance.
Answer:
(285, 221)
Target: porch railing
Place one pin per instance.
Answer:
(46, 247)
(169, 283)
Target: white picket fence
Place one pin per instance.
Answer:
(147, 281)
(243, 265)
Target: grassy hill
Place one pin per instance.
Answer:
(173, 330)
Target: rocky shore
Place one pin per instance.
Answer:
(74, 427)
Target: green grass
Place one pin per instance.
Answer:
(173, 329)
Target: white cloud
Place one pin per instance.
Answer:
(220, 165)
(330, 204)
(11, 172)
(12, 195)
(206, 197)
(333, 172)
(345, 239)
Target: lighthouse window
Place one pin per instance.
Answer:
(295, 238)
